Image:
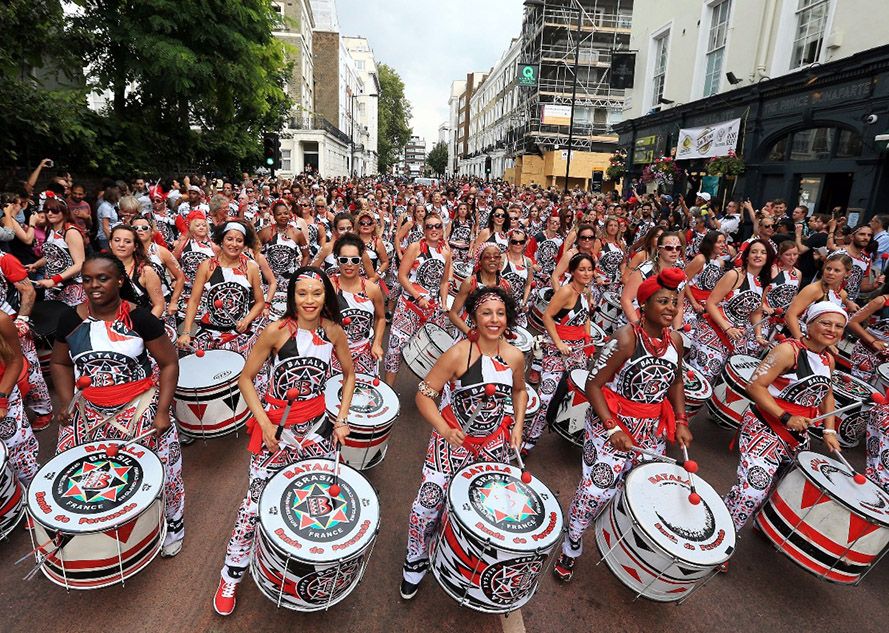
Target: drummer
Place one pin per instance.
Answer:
(361, 305)
(370, 231)
(469, 425)
(485, 275)
(228, 293)
(423, 274)
(637, 399)
(298, 351)
(779, 294)
(703, 273)
(284, 246)
(123, 349)
(125, 245)
(870, 327)
(517, 271)
(831, 287)
(567, 321)
(164, 264)
(461, 232)
(19, 436)
(790, 387)
(667, 254)
(63, 253)
(193, 248)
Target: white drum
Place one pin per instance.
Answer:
(570, 418)
(597, 336)
(208, 402)
(278, 306)
(825, 522)
(539, 303)
(523, 340)
(495, 537)
(656, 541)
(425, 347)
(607, 315)
(311, 550)
(98, 519)
(697, 390)
(372, 415)
(12, 503)
(730, 401)
(531, 408)
(460, 272)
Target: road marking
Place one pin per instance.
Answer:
(513, 622)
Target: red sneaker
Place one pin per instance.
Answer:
(41, 422)
(564, 568)
(224, 601)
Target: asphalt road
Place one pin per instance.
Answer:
(762, 591)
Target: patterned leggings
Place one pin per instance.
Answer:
(878, 446)
(865, 362)
(708, 354)
(554, 366)
(604, 468)
(442, 461)
(262, 467)
(16, 433)
(37, 399)
(762, 454)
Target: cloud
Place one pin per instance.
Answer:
(432, 43)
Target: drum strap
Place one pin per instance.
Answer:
(129, 429)
(663, 411)
(786, 435)
(301, 411)
(722, 336)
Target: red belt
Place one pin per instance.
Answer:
(117, 395)
(475, 444)
(301, 411)
(699, 293)
(775, 424)
(22, 382)
(663, 410)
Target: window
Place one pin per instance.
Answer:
(716, 46)
(820, 143)
(285, 160)
(811, 22)
(812, 144)
(661, 45)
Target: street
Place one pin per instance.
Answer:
(762, 591)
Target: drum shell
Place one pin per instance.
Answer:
(424, 348)
(531, 408)
(695, 400)
(730, 399)
(883, 376)
(213, 410)
(538, 307)
(11, 495)
(570, 418)
(816, 536)
(850, 425)
(607, 314)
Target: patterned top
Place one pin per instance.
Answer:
(646, 377)
(743, 301)
(359, 308)
(468, 391)
(428, 269)
(807, 383)
(58, 254)
(228, 296)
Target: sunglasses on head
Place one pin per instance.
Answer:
(670, 248)
(517, 241)
(348, 260)
(433, 227)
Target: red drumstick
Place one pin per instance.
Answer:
(113, 449)
(526, 476)
(857, 477)
(691, 467)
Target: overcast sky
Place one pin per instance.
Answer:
(432, 43)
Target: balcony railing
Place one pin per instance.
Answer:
(317, 122)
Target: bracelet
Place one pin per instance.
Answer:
(23, 318)
(427, 391)
(341, 422)
(612, 431)
(785, 418)
(682, 420)
(829, 431)
(56, 279)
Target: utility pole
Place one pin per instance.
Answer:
(573, 93)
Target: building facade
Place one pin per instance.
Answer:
(464, 117)
(806, 78)
(457, 89)
(365, 105)
(414, 157)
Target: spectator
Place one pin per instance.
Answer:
(879, 224)
(80, 208)
(106, 215)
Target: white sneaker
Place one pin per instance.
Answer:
(169, 550)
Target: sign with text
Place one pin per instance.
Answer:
(527, 75)
(708, 141)
(555, 114)
(643, 150)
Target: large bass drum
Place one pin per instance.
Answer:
(11, 495)
(730, 399)
(208, 402)
(495, 537)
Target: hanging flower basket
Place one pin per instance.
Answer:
(664, 171)
(730, 165)
(617, 165)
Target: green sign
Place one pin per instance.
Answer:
(527, 75)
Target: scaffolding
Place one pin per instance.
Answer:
(552, 34)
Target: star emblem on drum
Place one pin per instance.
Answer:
(100, 481)
(314, 508)
(506, 502)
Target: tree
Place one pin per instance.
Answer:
(394, 112)
(437, 159)
(193, 84)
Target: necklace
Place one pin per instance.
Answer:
(655, 346)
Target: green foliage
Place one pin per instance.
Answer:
(393, 116)
(437, 159)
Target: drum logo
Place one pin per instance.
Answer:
(106, 368)
(97, 483)
(310, 512)
(330, 583)
(648, 379)
(366, 400)
(511, 581)
(506, 502)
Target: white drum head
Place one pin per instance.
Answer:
(849, 388)
(372, 405)
(299, 516)
(523, 340)
(883, 372)
(696, 386)
(217, 366)
(657, 497)
(868, 499)
(597, 335)
(531, 408)
(743, 365)
(516, 516)
(83, 490)
(579, 377)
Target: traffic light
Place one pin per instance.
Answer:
(270, 151)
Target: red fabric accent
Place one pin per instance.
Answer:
(181, 225)
(618, 405)
(301, 411)
(572, 332)
(22, 382)
(476, 444)
(720, 334)
(12, 268)
(117, 395)
(699, 293)
(782, 431)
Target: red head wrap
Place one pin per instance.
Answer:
(670, 279)
(195, 215)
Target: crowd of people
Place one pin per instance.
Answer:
(126, 278)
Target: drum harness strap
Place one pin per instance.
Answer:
(663, 411)
(111, 396)
(307, 410)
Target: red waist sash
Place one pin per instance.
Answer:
(699, 293)
(786, 435)
(663, 410)
(117, 395)
(722, 336)
(475, 444)
(301, 411)
(572, 333)
(22, 381)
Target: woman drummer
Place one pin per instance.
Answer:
(870, 326)
(461, 233)
(779, 294)
(423, 274)
(370, 232)
(125, 245)
(703, 273)
(18, 436)
(789, 388)
(517, 271)
(636, 398)
(131, 364)
(836, 270)
(567, 321)
(298, 351)
(284, 246)
(63, 253)
(165, 265)
(193, 249)
(485, 275)
(667, 255)
(484, 372)
(496, 231)
(586, 238)
(361, 304)
(228, 294)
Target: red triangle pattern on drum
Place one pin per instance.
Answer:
(122, 533)
(198, 409)
(632, 572)
(731, 396)
(607, 536)
(812, 495)
(579, 398)
(858, 527)
(678, 590)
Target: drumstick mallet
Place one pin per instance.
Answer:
(857, 477)
(691, 467)
(82, 383)
(113, 449)
(653, 455)
(526, 476)
(848, 407)
(777, 312)
(290, 396)
(334, 489)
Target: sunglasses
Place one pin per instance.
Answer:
(517, 241)
(499, 215)
(670, 248)
(263, 206)
(586, 238)
(54, 211)
(433, 227)
(141, 227)
(366, 223)
(348, 260)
